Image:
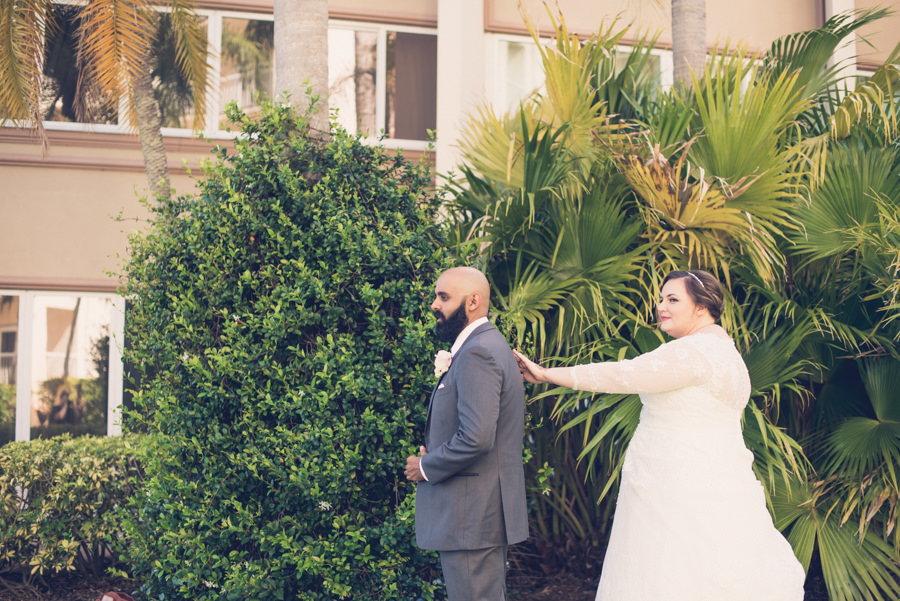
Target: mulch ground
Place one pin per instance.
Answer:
(70, 587)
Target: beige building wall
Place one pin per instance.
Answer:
(65, 216)
(755, 23)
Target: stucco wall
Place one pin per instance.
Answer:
(756, 23)
(66, 215)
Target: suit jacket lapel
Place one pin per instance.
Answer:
(478, 330)
(430, 404)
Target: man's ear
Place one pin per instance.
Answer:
(474, 302)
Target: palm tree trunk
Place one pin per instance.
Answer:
(688, 39)
(364, 76)
(71, 338)
(149, 124)
(301, 55)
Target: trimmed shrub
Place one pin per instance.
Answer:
(280, 326)
(62, 504)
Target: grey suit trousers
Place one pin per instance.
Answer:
(472, 575)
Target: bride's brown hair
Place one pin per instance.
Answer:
(703, 288)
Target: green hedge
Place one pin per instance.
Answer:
(279, 321)
(61, 504)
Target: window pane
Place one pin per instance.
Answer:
(59, 100)
(411, 85)
(352, 57)
(247, 64)
(524, 71)
(69, 365)
(9, 330)
(172, 89)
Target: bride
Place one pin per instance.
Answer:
(691, 522)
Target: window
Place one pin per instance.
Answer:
(173, 91)
(383, 81)
(60, 364)
(62, 72)
(519, 71)
(247, 64)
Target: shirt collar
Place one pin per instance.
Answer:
(465, 334)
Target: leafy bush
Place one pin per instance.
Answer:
(280, 328)
(61, 504)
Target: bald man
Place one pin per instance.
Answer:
(470, 497)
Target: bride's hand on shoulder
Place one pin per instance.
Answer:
(531, 371)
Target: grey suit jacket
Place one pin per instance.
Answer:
(475, 494)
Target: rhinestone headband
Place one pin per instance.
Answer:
(699, 281)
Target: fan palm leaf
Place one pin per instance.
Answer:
(746, 115)
(845, 202)
(809, 53)
(863, 452)
(853, 568)
(571, 68)
(628, 88)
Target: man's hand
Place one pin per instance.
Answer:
(413, 472)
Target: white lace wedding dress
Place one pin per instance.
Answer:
(691, 522)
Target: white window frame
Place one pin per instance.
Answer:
(24, 351)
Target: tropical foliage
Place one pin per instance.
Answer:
(765, 173)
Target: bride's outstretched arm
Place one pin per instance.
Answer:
(668, 367)
(534, 373)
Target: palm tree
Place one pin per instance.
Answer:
(114, 41)
(301, 56)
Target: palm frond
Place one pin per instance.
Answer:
(688, 217)
(191, 53)
(874, 99)
(745, 114)
(114, 47)
(23, 26)
(775, 452)
(668, 121)
(863, 452)
(808, 53)
(627, 90)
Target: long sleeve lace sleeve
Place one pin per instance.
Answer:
(672, 366)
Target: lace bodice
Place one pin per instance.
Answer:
(707, 361)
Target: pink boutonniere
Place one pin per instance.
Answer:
(442, 363)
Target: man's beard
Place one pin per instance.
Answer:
(449, 328)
